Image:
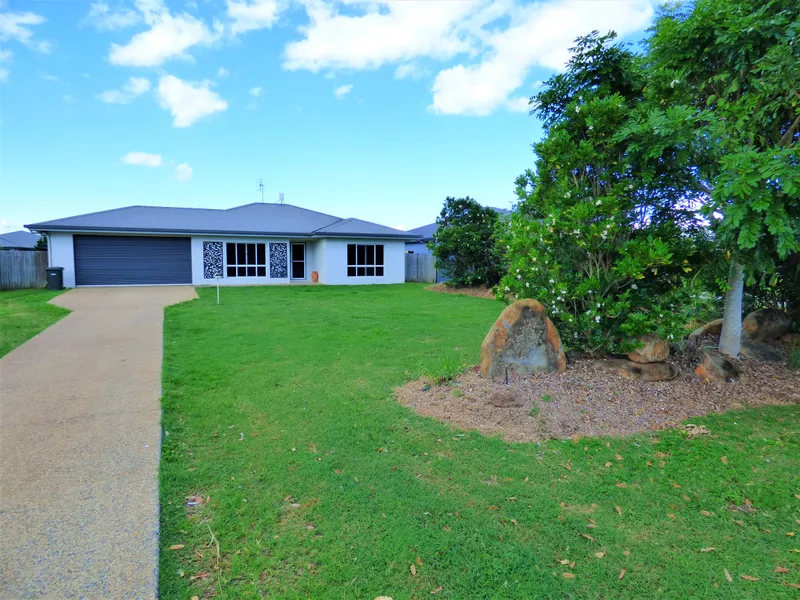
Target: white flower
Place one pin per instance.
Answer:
(673, 82)
(551, 281)
(519, 276)
(567, 195)
(630, 186)
(588, 312)
(575, 335)
(527, 284)
(599, 305)
(508, 289)
(580, 98)
(575, 231)
(534, 259)
(597, 319)
(634, 286)
(508, 247)
(577, 109)
(517, 270)
(598, 203)
(590, 291)
(591, 127)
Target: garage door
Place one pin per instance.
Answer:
(131, 260)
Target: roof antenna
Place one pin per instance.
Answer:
(280, 198)
(261, 189)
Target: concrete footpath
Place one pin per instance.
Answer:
(79, 448)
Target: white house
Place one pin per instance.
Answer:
(259, 243)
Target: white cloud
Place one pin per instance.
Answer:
(188, 102)
(248, 15)
(50, 78)
(386, 32)
(5, 58)
(540, 35)
(169, 37)
(222, 72)
(135, 86)
(104, 18)
(142, 159)
(256, 92)
(17, 26)
(342, 90)
(519, 104)
(408, 71)
(183, 172)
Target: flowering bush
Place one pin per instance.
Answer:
(604, 237)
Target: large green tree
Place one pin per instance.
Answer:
(729, 71)
(604, 233)
(464, 244)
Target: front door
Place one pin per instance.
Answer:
(298, 261)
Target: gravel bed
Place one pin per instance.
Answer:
(587, 401)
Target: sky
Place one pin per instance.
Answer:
(374, 110)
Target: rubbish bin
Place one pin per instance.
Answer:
(55, 278)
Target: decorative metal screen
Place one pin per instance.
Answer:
(212, 259)
(278, 260)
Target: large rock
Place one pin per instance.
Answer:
(658, 371)
(652, 349)
(711, 328)
(717, 368)
(759, 351)
(505, 399)
(524, 340)
(766, 324)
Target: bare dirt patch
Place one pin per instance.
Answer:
(475, 292)
(587, 401)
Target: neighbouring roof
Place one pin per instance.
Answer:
(249, 219)
(19, 239)
(427, 231)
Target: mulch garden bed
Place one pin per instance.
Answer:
(475, 292)
(587, 401)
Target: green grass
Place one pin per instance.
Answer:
(283, 396)
(23, 314)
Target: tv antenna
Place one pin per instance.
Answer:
(261, 189)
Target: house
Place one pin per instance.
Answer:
(259, 243)
(19, 240)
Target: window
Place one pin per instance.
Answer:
(246, 260)
(298, 261)
(365, 260)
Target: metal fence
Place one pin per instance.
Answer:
(419, 268)
(22, 269)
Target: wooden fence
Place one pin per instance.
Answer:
(22, 269)
(419, 267)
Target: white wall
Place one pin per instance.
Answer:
(335, 253)
(62, 254)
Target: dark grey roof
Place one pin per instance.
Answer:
(426, 231)
(19, 239)
(249, 219)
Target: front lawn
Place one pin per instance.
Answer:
(23, 314)
(278, 411)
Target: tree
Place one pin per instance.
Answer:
(464, 245)
(603, 233)
(41, 243)
(732, 68)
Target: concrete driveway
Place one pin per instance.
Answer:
(79, 447)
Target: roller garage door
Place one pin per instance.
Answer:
(132, 260)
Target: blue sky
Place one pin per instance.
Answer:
(375, 110)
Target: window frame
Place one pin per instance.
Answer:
(259, 267)
(292, 261)
(364, 260)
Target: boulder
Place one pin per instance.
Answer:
(711, 328)
(524, 340)
(766, 324)
(652, 349)
(657, 371)
(717, 368)
(505, 399)
(759, 351)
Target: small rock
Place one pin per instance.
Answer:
(639, 372)
(759, 351)
(652, 349)
(505, 399)
(711, 328)
(717, 368)
(766, 324)
(523, 340)
(791, 338)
